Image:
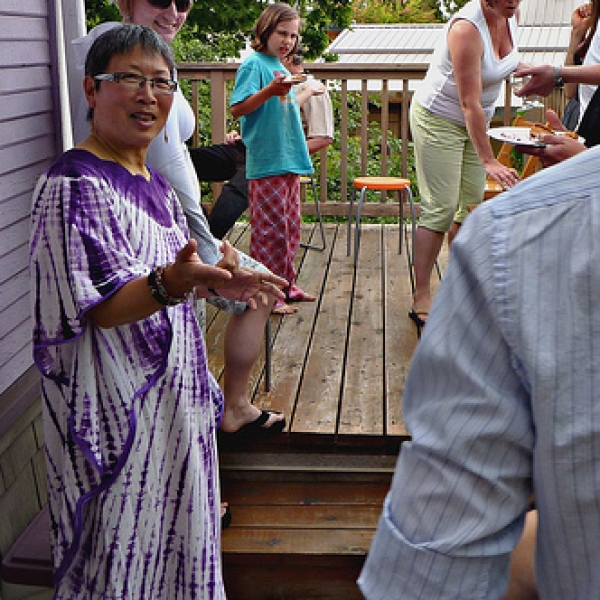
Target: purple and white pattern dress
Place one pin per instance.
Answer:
(130, 412)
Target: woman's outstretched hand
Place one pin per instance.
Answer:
(247, 285)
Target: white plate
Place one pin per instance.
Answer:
(517, 136)
(295, 79)
(520, 136)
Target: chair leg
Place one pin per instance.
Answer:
(323, 243)
(268, 355)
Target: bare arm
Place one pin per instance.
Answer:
(276, 88)
(580, 24)
(308, 92)
(466, 50)
(134, 301)
(542, 78)
(318, 143)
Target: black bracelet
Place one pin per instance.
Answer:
(158, 290)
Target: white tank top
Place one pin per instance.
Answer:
(438, 92)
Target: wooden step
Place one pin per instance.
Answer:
(300, 535)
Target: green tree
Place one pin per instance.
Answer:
(449, 7)
(219, 31)
(99, 11)
(396, 11)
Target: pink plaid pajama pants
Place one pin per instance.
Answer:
(275, 222)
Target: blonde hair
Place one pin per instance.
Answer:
(268, 22)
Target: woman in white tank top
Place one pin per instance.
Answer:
(449, 117)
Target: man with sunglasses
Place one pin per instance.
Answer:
(169, 155)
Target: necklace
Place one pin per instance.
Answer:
(115, 157)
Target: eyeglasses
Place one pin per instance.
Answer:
(181, 5)
(133, 81)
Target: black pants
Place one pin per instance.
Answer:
(224, 162)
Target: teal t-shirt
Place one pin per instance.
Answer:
(272, 133)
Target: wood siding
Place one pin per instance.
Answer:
(28, 144)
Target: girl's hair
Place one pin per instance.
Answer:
(268, 22)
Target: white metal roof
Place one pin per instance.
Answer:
(413, 44)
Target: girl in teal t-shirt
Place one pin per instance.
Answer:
(277, 153)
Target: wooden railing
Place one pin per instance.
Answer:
(381, 84)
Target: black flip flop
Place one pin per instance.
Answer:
(226, 518)
(418, 321)
(254, 431)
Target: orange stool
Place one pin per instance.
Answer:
(393, 184)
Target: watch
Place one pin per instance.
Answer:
(558, 80)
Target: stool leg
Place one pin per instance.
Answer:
(359, 206)
(319, 217)
(401, 224)
(350, 211)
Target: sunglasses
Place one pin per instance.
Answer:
(181, 5)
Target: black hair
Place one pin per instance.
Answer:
(121, 40)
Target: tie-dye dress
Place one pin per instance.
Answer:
(130, 412)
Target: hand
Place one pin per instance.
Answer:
(540, 84)
(506, 177)
(232, 138)
(317, 90)
(230, 261)
(581, 19)
(557, 148)
(277, 87)
(188, 271)
(253, 287)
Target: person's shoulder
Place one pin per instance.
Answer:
(82, 44)
(89, 38)
(76, 163)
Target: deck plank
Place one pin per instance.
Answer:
(362, 399)
(317, 405)
(304, 493)
(400, 332)
(306, 517)
(273, 540)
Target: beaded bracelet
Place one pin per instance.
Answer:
(158, 290)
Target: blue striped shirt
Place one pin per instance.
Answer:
(502, 402)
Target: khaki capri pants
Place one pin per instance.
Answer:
(449, 172)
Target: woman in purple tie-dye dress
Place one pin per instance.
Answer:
(130, 409)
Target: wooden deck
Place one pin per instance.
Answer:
(339, 364)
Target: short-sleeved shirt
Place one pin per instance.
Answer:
(273, 132)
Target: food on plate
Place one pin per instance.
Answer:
(544, 129)
(295, 78)
(540, 129)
